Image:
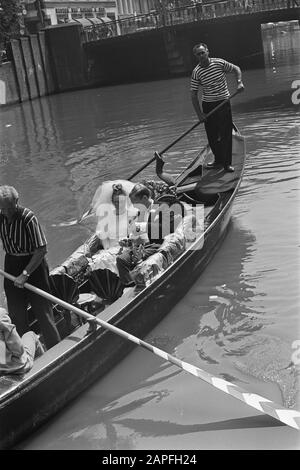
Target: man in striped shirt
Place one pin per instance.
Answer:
(25, 248)
(210, 74)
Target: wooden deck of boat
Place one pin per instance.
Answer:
(215, 181)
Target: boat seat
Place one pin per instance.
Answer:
(77, 263)
(195, 198)
(172, 247)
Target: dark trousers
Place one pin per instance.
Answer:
(125, 264)
(18, 299)
(219, 131)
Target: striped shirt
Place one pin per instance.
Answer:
(212, 79)
(24, 234)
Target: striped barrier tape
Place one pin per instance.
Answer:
(290, 417)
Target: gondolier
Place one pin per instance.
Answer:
(210, 74)
(25, 248)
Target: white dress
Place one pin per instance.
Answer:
(111, 227)
(110, 233)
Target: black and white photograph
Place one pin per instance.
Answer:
(149, 228)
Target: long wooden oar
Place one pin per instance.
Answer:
(288, 416)
(185, 133)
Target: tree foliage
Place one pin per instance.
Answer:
(9, 20)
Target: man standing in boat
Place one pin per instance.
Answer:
(210, 74)
(25, 248)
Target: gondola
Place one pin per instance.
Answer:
(85, 354)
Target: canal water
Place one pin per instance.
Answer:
(240, 320)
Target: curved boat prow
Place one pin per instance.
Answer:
(166, 177)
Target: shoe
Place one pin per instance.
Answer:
(229, 169)
(39, 348)
(213, 165)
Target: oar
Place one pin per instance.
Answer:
(185, 133)
(289, 417)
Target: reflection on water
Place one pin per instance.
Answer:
(276, 43)
(240, 318)
(269, 359)
(236, 330)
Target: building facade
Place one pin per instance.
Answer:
(63, 11)
(39, 13)
(135, 7)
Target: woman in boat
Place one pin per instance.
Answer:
(112, 199)
(117, 231)
(109, 207)
(114, 213)
(16, 354)
(111, 212)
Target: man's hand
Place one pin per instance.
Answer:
(196, 105)
(240, 85)
(20, 281)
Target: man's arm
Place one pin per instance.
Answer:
(37, 257)
(196, 105)
(238, 74)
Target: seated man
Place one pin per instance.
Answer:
(154, 222)
(16, 354)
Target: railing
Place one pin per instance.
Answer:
(187, 14)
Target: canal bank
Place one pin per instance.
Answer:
(59, 58)
(56, 60)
